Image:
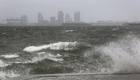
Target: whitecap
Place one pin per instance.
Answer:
(67, 46)
(69, 31)
(10, 56)
(35, 48)
(124, 52)
(42, 56)
(49, 56)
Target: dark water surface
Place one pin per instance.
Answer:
(70, 50)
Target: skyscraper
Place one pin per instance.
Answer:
(40, 18)
(24, 19)
(52, 20)
(68, 19)
(60, 17)
(77, 17)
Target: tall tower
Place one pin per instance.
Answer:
(68, 19)
(60, 17)
(40, 18)
(52, 20)
(24, 19)
(77, 17)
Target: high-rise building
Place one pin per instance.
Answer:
(68, 19)
(24, 19)
(52, 20)
(13, 21)
(40, 18)
(77, 17)
(60, 17)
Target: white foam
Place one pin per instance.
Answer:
(125, 53)
(35, 48)
(41, 53)
(6, 75)
(63, 46)
(10, 56)
(69, 31)
(67, 46)
(39, 57)
(3, 64)
(49, 56)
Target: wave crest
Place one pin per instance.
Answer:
(125, 54)
(66, 46)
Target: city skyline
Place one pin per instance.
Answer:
(60, 18)
(92, 10)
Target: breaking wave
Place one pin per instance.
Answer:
(66, 46)
(119, 56)
(124, 53)
(37, 55)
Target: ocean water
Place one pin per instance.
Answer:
(57, 50)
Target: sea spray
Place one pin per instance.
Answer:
(125, 54)
(98, 62)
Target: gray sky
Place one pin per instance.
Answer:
(91, 10)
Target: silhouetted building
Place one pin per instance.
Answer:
(68, 19)
(40, 18)
(77, 17)
(60, 17)
(24, 19)
(77, 24)
(14, 21)
(52, 20)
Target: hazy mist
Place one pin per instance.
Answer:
(91, 10)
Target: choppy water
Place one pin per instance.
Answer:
(49, 50)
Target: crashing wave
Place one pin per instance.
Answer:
(125, 54)
(66, 46)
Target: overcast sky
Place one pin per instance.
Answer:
(91, 10)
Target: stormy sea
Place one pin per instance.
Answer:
(61, 49)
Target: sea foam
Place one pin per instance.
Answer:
(8, 56)
(9, 74)
(44, 55)
(66, 46)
